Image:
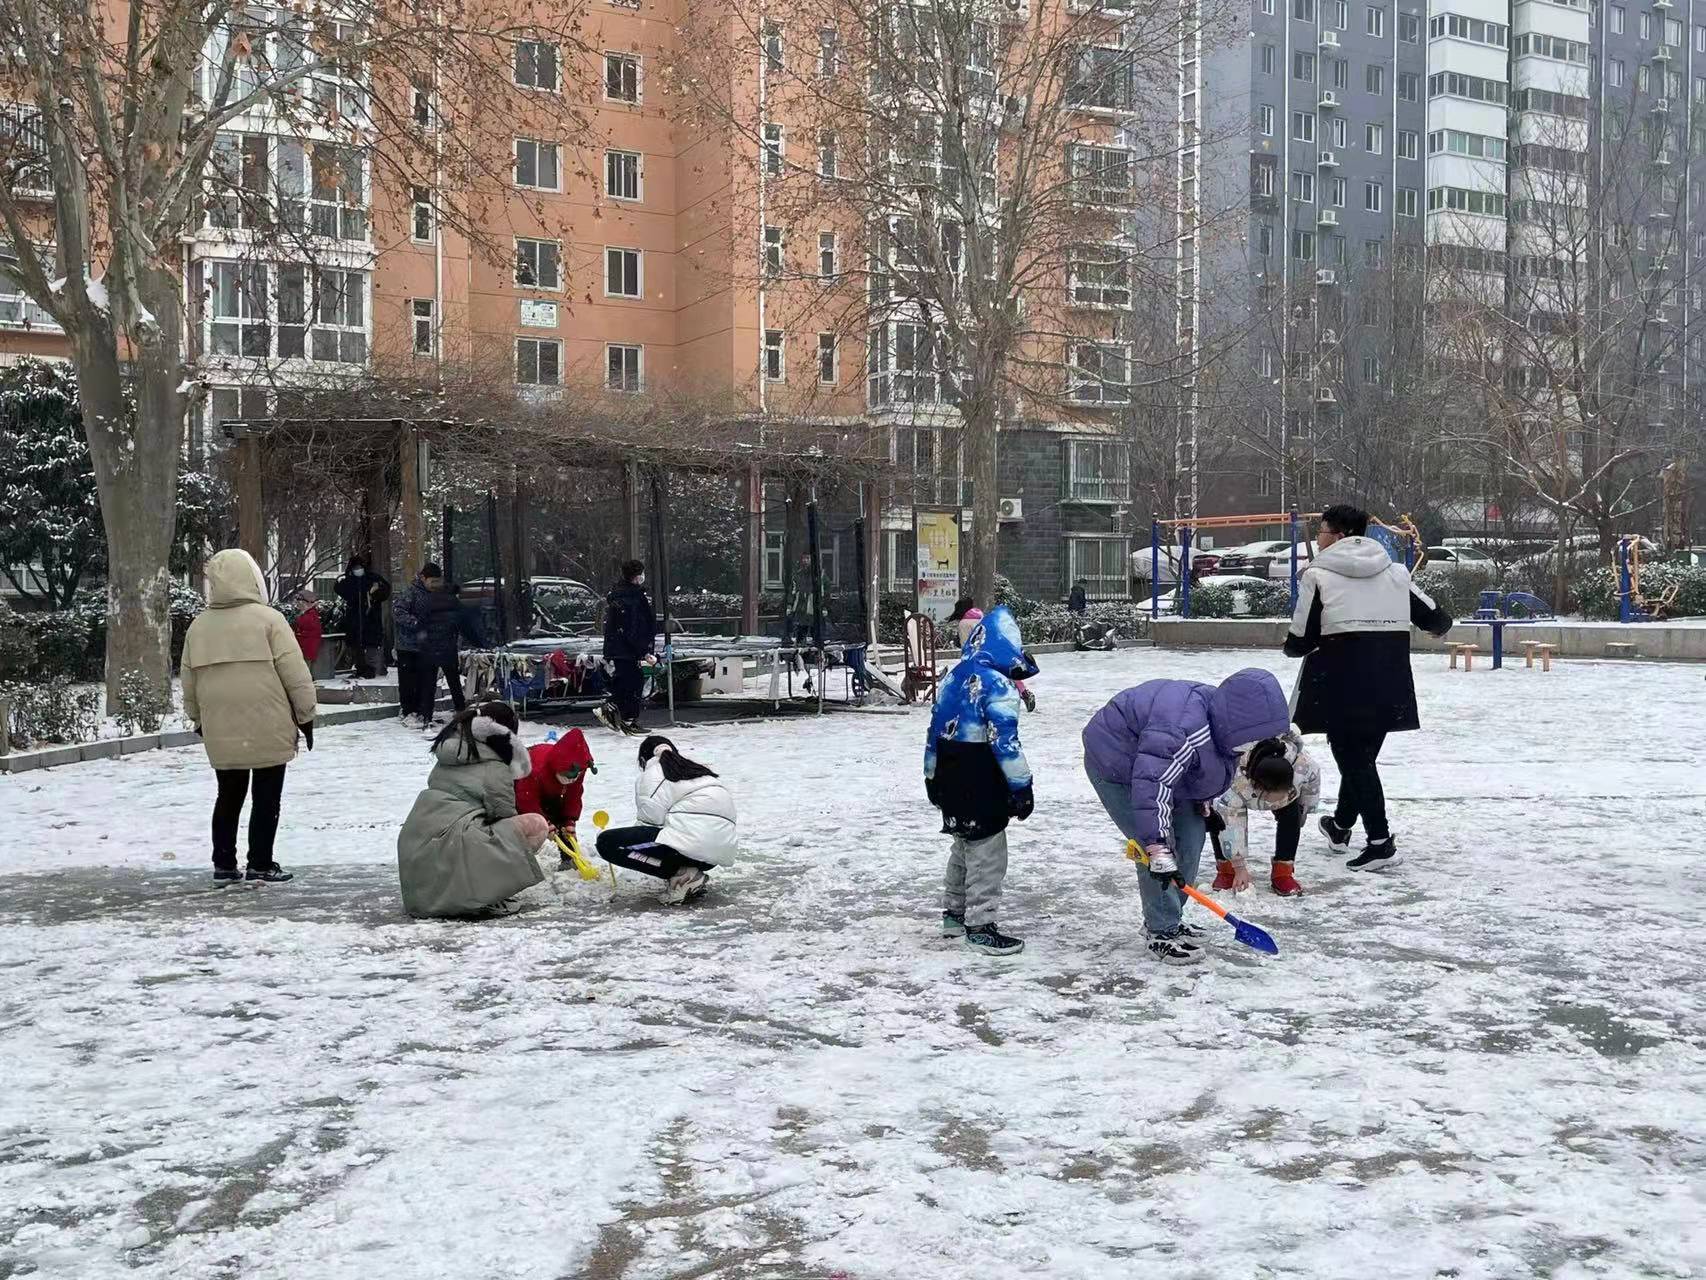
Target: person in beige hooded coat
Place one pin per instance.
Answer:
(248, 692)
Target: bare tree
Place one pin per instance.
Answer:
(134, 133)
(953, 187)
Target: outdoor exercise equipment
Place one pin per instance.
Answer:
(1253, 936)
(1632, 604)
(1187, 532)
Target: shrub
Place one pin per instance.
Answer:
(1597, 591)
(1457, 591)
(1212, 601)
(17, 645)
(1270, 600)
(141, 706)
(51, 711)
(1055, 624)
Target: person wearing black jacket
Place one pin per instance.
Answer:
(630, 635)
(364, 594)
(1355, 608)
(443, 623)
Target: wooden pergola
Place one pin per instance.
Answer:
(527, 445)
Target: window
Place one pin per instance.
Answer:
(426, 331)
(1372, 196)
(1479, 145)
(538, 264)
(1097, 471)
(773, 144)
(1374, 77)
(1303, 245)
(1409, 28)
(621, 273)
(1673, 33)
(1303, 126)
(1102, 175)
(1374, 139)
(622, 175)
(775, 364)
(1265, 120)
(1644, 78)
(239, 182)
(1455, 85)
(1371, 368)
(621, 77)
(1101, 79)
(538, 362)
(421, 227)
(25, 146)
(1264, 484)
(1614, 72)
(1556, 47)
(1333, 251)
(827, 143)
(339, 329)
(1262, 171)
(826, 255)
(1616, 19)
(1646, 26)
(1339, 132)
(1101, 564)
(338, 197)
(1302, 185)
(1700, 39)
(536, 165)
(1267, 59)
(1338, 14)
(1409, 144)
(1264, 239)
(1337, 194)
(536, 65)
(237, 309)
(772, 45)
(16, 308)
(1374, 21)
(903, 366)
(1100, 276)
(1100, 373)
(1374, 253)
(1406, 202)
(423, 112)
(1303, 10)
(1341, 72)
(1268, 7)
(828, 51)
(773, 252)
(624, 368)
(828, 371)
(1303, 66)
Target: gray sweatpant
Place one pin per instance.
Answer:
(972, 887)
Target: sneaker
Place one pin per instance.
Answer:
(685, 884)
(989, 939)
(953, 924)
(606, 715)
(633, 728)
(1376, 855)
(1338, 837)
(1173, 947)
(226, 875)
(1284, 882)
(1223, 872)
(274, 874)
(1188, 930)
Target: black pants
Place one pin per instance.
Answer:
(263, 815)
(1360, 792)
(427, 671)
(637, 849)
(1290, 826)
(408, 682)
(627, 687)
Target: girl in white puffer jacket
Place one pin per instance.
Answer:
(684, 823)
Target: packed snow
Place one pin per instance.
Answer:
(1489, 1063)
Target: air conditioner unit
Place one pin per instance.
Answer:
(1328, 218)
(1661, 106)
(1662, 159)
(1661, 54)
(1325, 396)
(1661, 5)
(1326, 275)
(1327, 160)
(1329, 337)
(1012, 509)
(1329, 100)
(1329, 39)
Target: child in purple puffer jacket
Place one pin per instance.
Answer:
(1156, 755)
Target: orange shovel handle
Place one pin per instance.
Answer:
(1205, 900)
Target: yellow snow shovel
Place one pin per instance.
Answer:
(571, 849)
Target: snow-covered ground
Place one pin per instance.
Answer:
(1490, 1064)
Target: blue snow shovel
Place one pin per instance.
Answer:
(1250, 935)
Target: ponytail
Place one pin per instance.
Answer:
(675, 766)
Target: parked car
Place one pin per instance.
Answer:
(1460, 560)
(1270, 559)
(1584, 554)
(557, 602)
(1688, 557)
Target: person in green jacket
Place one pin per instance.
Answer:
(463, 847)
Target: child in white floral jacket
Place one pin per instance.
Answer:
(1277, 774)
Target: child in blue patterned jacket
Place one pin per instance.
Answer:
(975, 772)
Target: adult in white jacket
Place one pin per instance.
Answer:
(684, 823)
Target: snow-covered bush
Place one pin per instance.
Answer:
(17, 645)
(1055, 624)
(141, 707)
(1457, 591)
(50, 711)
(1596, 591)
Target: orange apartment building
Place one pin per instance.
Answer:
(627, 254)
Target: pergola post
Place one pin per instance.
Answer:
(873, 533)
(630, 511)
(752, 552)
(414, 522)
(376, 515)
(251, 515)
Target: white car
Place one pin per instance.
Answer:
(1460, 560)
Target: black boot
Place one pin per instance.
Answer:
(274, 874)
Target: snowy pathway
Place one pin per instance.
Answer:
(1490, 1064)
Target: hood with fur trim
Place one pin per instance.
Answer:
(491, 741)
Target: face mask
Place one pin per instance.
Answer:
(358, 572)
(570, 777)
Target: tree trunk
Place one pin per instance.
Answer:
(136, 473)
(981, 415)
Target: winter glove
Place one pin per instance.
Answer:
(307, 734)
(1215, 823)
(1162, 868)
(1021, 802)
(1029, 699)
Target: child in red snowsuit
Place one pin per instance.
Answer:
(306, 625)
(553, 788)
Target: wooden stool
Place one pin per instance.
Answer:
(1468, 651)
(1545, 655)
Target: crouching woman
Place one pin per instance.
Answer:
(684, 823)
(463, 848)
